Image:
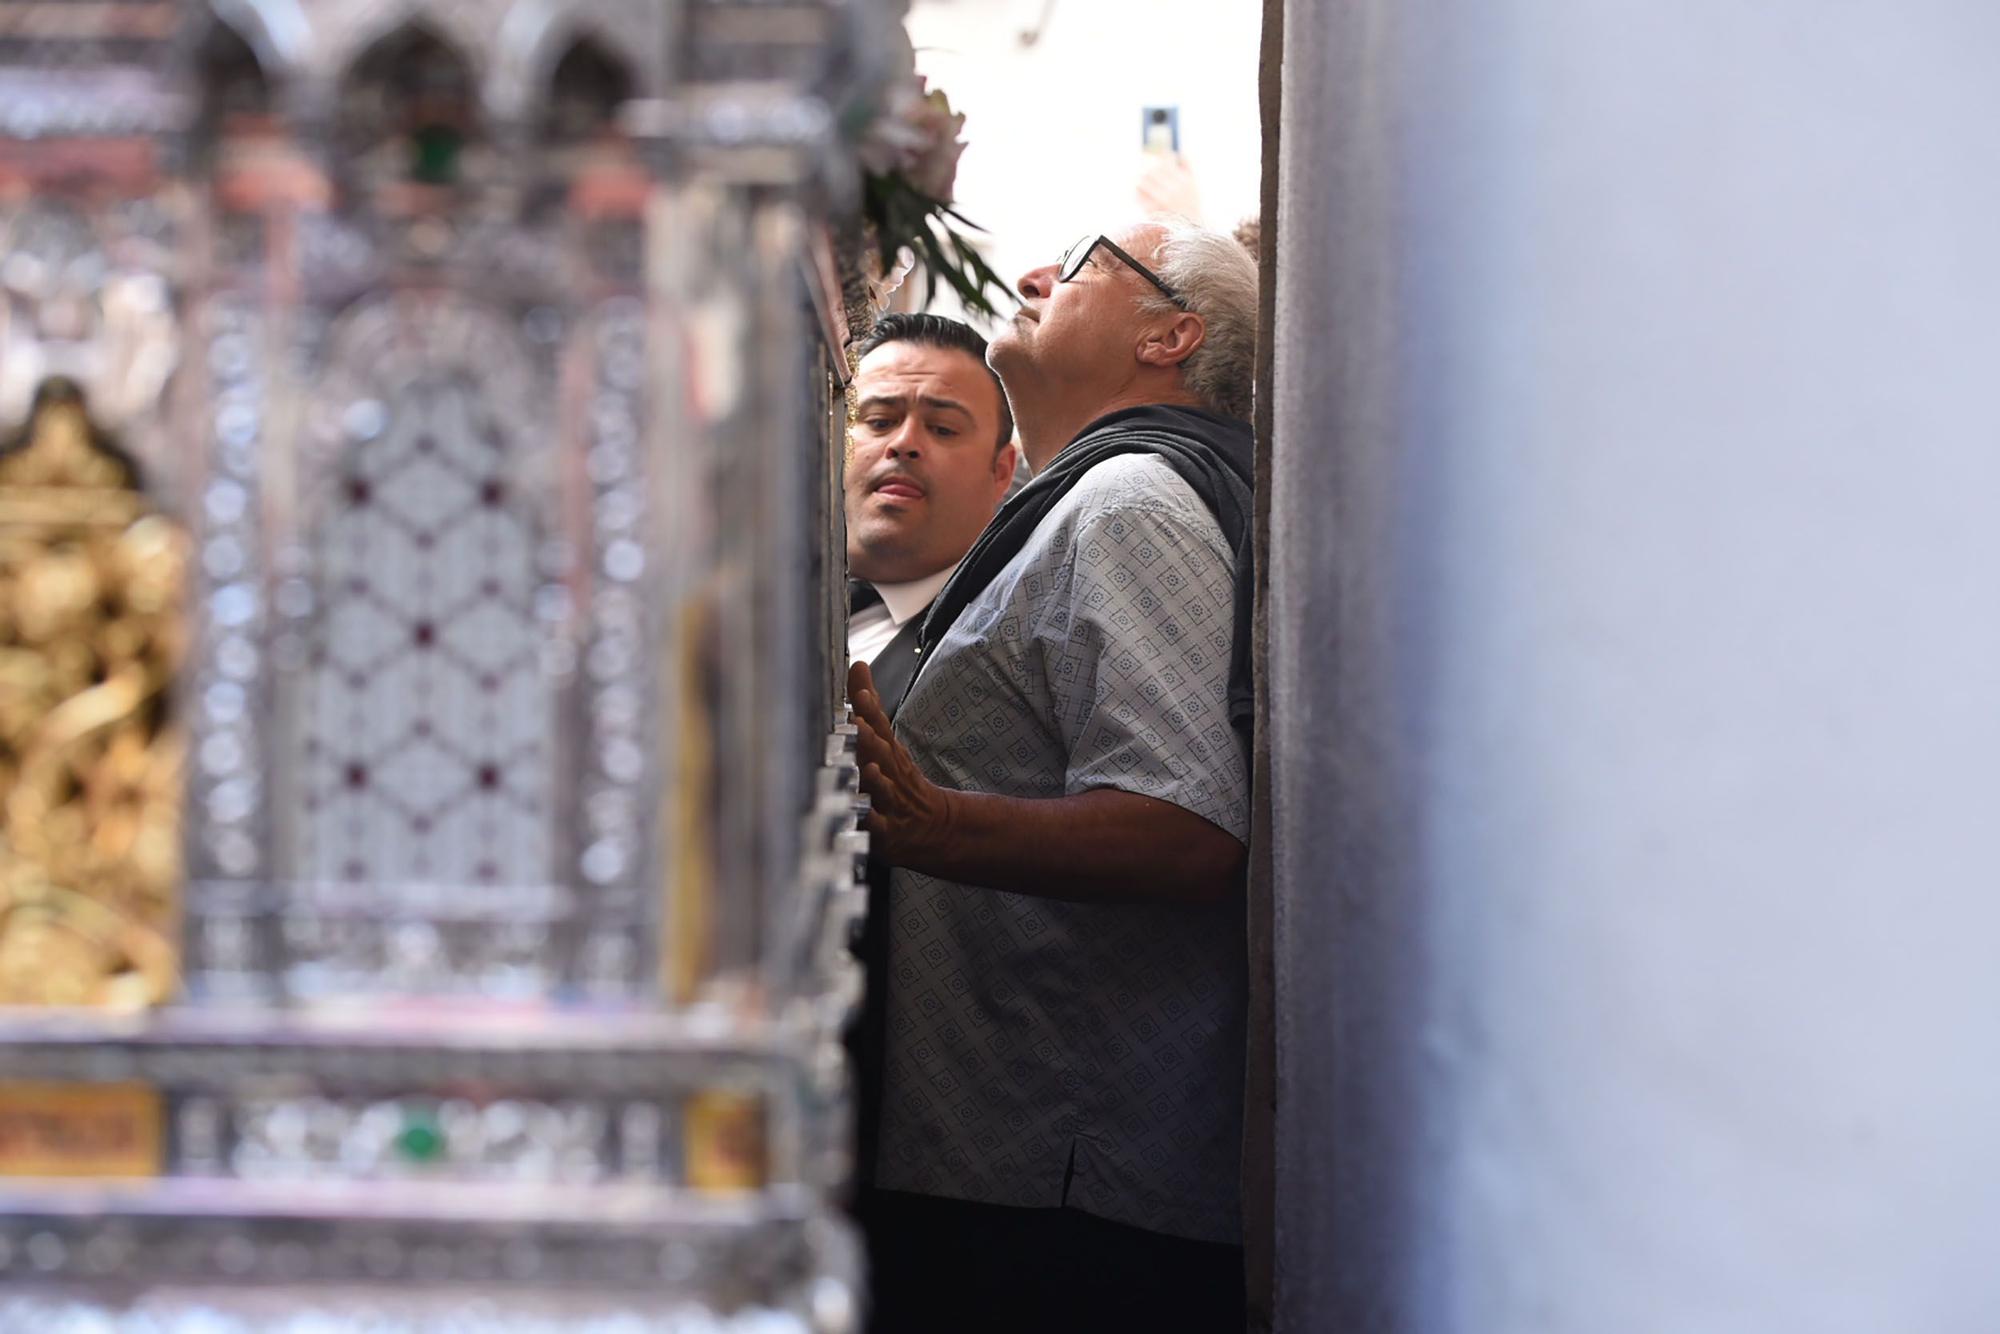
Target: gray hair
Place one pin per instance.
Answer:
(1217, 279)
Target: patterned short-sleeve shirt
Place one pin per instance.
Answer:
(1045, 1053)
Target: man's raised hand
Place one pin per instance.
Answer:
(911, 816)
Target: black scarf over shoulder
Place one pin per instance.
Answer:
(1213, 454)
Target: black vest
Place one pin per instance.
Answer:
(893, 669)
(897, 663)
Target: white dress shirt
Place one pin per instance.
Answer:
(870, 629)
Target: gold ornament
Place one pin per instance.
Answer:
(91, 633)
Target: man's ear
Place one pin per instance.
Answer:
(1004, 463)
(1171, 344)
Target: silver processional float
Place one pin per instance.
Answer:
(426, 868)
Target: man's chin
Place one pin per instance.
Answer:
(1011, 357)
(1009, 341)
(878, 547)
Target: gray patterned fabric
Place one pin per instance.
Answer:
(1045, 1053)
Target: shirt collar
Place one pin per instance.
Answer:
(906, 600)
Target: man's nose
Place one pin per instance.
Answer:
(908, 437)
(1036, 284)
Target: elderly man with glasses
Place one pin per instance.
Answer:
(1064, 795)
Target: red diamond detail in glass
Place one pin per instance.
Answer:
(445, 597)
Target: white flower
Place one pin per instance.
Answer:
(935, 171)
(916, 136)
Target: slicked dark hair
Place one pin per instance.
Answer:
(946, 334)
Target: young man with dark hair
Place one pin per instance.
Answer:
(931, 454)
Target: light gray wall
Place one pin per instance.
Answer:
(1635, 666)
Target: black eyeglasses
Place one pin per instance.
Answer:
(1079, 254)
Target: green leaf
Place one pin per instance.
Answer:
(902, 215)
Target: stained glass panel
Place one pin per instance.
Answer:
(428, 721)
